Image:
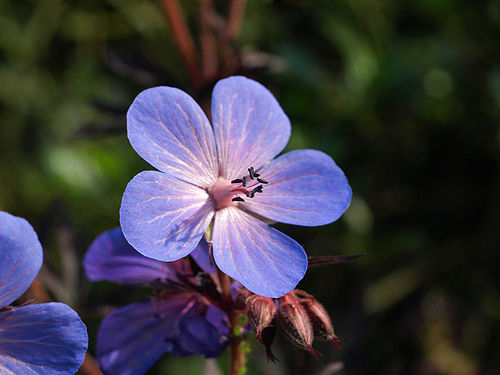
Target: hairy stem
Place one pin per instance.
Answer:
(238, 347)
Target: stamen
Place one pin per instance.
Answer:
(244, 181)
(262, 181)
(237, 181)
(258, 189)
(238, 199)
(251, 172)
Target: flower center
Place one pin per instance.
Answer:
(226, 194)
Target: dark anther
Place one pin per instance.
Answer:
(244, 180)
(238, 199)
(237, 181)
(256, 174)
(251, 172)
(258, 189)
(262, 181)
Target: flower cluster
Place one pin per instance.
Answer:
(187, 314)
(298, 315)
(226, 180)
(43, 339)
(183, 317)
(219, 184)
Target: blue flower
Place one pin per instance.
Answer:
(43, 339)
(181, 320)
(226, 174)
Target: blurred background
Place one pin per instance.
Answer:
(405, 96)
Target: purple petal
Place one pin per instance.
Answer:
(250, 126)
(264, 260)
(218, 319)
(201, 257)
(110, 257)
(20, 257)
(170, 131)
(45, 339)
(162, 217)
(200, 337)
(305, 187)
(131, 339)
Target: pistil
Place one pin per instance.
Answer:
(225, 193)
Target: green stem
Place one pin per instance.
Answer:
(238, 346)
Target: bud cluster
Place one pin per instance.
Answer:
(298, 315)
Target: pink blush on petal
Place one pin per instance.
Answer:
(222, 193)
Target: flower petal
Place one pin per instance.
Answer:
(170, 131)
(162, 217)
(250, 126)
(264, 260)
(218, 318)
(200, 337)
(131, 339)
(45, 339)
(21, 257)
(201, 257)
(305, 187)
(110, 257)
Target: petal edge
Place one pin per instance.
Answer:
(164, 218)
(264, 260)
(21, 257)
(305, 187)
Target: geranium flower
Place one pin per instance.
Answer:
(43, 339)
(227, 175)
(181, 319)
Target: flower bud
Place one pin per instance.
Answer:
(295, 323)
(267, 338)
(240, 302)
(260, 312)
(320, 320)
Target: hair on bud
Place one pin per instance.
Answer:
(261, 312)
(322, 325)
(295, 323)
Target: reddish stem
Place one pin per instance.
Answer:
(208, 40)
(236, 353)
(235, 18)
(183, 40)
(90, 366)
